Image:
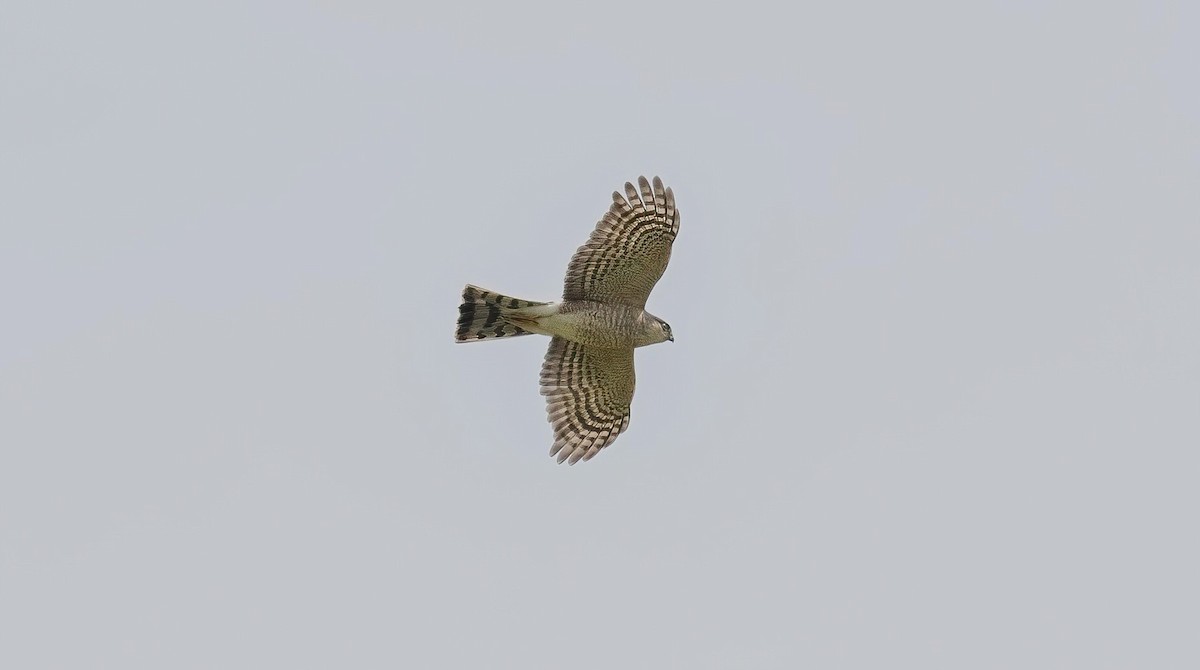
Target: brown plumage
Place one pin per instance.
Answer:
(588, 377)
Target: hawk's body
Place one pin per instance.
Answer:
(591, 323)
(588, 377)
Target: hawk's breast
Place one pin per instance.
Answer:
(595, 324)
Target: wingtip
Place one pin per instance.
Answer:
(631, 194)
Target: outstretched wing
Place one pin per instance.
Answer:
(588, 391)
(629, 249)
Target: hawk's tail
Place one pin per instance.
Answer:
(482, 315)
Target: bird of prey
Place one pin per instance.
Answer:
(587, 376)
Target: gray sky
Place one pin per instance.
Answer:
(933, 401)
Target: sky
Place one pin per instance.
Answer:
(933, 400)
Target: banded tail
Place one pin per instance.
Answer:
(482, 315)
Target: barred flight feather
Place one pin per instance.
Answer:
(481, 315)
(629, 249)
(588, 392)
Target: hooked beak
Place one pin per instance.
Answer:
(671, 338)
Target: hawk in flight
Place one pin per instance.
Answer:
(587, 376)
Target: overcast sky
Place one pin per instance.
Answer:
(934, 400)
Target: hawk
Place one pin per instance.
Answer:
(587, 376)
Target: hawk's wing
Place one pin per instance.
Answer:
(588, 391)
(629, 249)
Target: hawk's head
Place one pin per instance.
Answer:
(666, 330)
